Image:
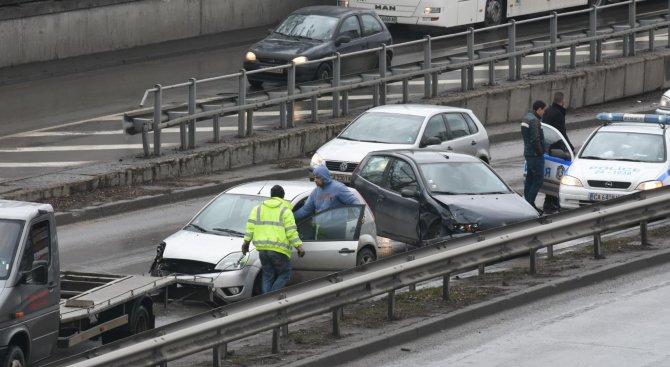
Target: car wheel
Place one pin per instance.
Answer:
(140, 321)
(324, 72)
(365, 256)
(14, 357)
(495, 12)
(256, 84)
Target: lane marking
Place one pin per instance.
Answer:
(64, 148)
(44, 164)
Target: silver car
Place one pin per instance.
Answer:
(207, 251)
(403, 126)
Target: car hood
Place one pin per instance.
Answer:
(353, 151)
(634, 172)
(284, 47)
(209, 248)
(489, 211)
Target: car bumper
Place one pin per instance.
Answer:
(229, 286)
(303, 73)
(571, 197)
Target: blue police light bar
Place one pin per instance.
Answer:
(634, 117)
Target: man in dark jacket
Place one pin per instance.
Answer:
(555, 117)
(534, 147)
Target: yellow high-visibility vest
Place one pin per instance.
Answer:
(271, 226)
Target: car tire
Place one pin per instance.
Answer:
(140, 321)
(256, 84)
(365, 256)
(324, 72)
(14, 357)
(495, 12)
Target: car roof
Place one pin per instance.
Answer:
(10, 209)
(638, 127)
(417, 109)
(292, 189)
(421, 156)
(331, 10)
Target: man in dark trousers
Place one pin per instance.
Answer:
(534, 147)
(555, 117)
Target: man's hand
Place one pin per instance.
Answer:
(301, 251)
(245, 248)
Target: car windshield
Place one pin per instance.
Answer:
(625, 146)
(383, 127)
(10, 234)
(307, 26)
(462, 178)
(227, 215)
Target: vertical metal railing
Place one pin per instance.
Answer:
(158, 113)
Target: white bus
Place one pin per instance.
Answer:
(452, 13)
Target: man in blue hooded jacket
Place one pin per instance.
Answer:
(327, 194)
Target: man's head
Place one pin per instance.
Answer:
(559, 98)
(321, 175)
(538, 107)
(277, 192)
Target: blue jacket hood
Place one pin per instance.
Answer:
(323, 173)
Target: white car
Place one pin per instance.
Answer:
(628, 153)
(403, 126)
(206, 252)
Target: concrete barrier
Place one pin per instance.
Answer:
(586, 86)
(109, 26)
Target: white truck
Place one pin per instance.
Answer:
(42, 308)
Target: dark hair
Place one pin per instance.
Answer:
(558, 97)
(277, 192)
(538, 104)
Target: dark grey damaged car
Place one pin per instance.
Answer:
(419, 195)
(316, 32)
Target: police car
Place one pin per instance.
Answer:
(557, 159)
(628, 153)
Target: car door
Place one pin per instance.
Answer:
(330, 239)
(436, 128)
(460, 138)
(350, 27)
(398, 216)
(375, 35)
(369, 178)
(557, 159)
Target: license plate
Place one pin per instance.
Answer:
(342, 178)
(388, 19)
(274, 71)
(595, 196)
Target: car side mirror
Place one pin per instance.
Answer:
(433, 140)
(342, 39)
(409, 193)
(36, 275)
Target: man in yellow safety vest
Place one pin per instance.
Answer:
(271, 227)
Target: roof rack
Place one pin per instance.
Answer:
(634, 117)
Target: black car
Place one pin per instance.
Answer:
(418, 195)
(316, 32)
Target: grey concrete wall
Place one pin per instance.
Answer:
(117, 26)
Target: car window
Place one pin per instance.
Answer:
(457, 126)
(401, 176)
(374, 168)
(384, 127)
(625, 146)
(471, 124)
(555, 145)
(337, 224)
(38, 249)
(351, 27)
(370, 25)
(10, 234)
(436, 128)
(317, 27)
(462, 178)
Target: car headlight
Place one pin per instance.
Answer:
(316, 160)
(233, 261)
(665, 102)
(250, 56)
(300, 60)
(570, 181)
(649, 185)
(467, 227)
(431, 10)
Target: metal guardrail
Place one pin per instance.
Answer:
(328, 295)
(243, 104)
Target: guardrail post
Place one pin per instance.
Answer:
(282, 115)
(445, 287)
(192, 90)
(217, 353)
(511, 47)
(405, 90)
(481, 270)
(391, 305)
(597, 244)
(593, 31)
(668, 18)
(471, 57)
(553, 31)
(533, 262)
(644, 238)
(632, 24)
(216, 128)
(337, 317)
(241, 100)
(550, 251)
(382, 74)
(158, 100)
(145, 140)
(275, 340)
(427, 56)
(337, 64)
(291, 92)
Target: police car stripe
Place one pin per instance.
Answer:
(556, 160)
(663, 176)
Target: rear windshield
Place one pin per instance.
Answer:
(382, 127)
(625, 146)
(10, 234)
